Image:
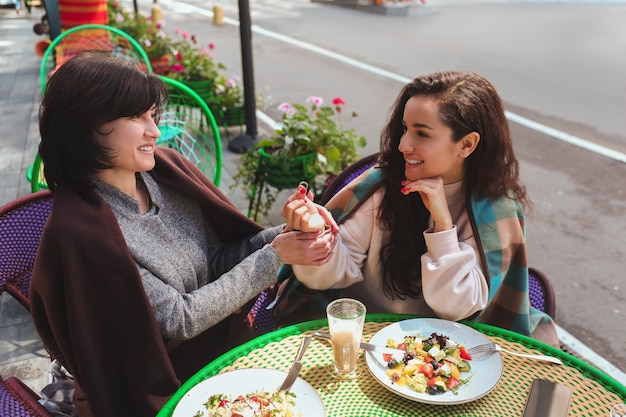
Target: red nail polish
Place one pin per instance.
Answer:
(404, 182)
(302, 190)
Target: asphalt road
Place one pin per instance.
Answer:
(558, 64)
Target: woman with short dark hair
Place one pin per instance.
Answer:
(143, 263)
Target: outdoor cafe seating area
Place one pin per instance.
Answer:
(190, 127)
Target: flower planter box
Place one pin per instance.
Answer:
(232, 116)
(204, 88)
(161, 65)
(285, 173)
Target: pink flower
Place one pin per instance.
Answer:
(177, 31)
(211, 46)
(204, 51)
(179, 56)
(315, 100)
(119, 18)
(147, 43)
(230, 83)
(286, 108)
(160, 24)
(178, 67)
(161, 34)
(185, 35)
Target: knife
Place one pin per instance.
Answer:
(297, 365)
(366, 346)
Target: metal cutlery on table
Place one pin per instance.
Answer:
(365, 346)
(481, 351)
(297, 365)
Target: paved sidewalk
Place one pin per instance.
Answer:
(19, 94)
(21, 352)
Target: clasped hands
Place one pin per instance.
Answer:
(310, 232)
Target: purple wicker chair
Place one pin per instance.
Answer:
(18, 400)
(540, 288)
(348, 175)
(541, 292)
(21, 225)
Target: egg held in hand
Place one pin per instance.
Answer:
(315, 223)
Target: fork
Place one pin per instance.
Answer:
(481, 351)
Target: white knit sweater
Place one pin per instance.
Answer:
(453, 284)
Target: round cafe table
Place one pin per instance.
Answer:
(594, 392)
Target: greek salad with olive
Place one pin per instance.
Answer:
(256, 404)
(431, 364)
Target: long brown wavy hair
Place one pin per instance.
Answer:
(467, 103)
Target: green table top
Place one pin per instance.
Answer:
(594, 392)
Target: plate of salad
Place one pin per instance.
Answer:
(250, 392)
(435, 368)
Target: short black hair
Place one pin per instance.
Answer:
(83, 94)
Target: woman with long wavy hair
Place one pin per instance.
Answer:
(437, 228)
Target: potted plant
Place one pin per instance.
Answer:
(312, 144)
(149, 34)
(228, 101)
(195, 66)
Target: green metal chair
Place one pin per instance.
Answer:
(91, 37)
(34, 175)
(188, 125)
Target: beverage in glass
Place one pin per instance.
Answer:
(346, 317)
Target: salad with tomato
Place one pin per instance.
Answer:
(433, 364)
(256, 404)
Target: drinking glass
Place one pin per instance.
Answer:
(346, 317)
(618, 410)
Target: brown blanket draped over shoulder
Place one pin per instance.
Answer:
(88, 302)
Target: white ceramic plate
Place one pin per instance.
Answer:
(485, 373)
(244, 381)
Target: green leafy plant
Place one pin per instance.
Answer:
(192, 62)
(228, 92)
(150, 35)
(315, 130)
(228, 99)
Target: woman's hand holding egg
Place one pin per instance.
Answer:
(303, 214)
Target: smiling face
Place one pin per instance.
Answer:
(427, 144)
(132, 141)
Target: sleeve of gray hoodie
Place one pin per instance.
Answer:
(238, 271)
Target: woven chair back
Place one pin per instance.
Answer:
(188, 125)
(21, 226)
(18, 400)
